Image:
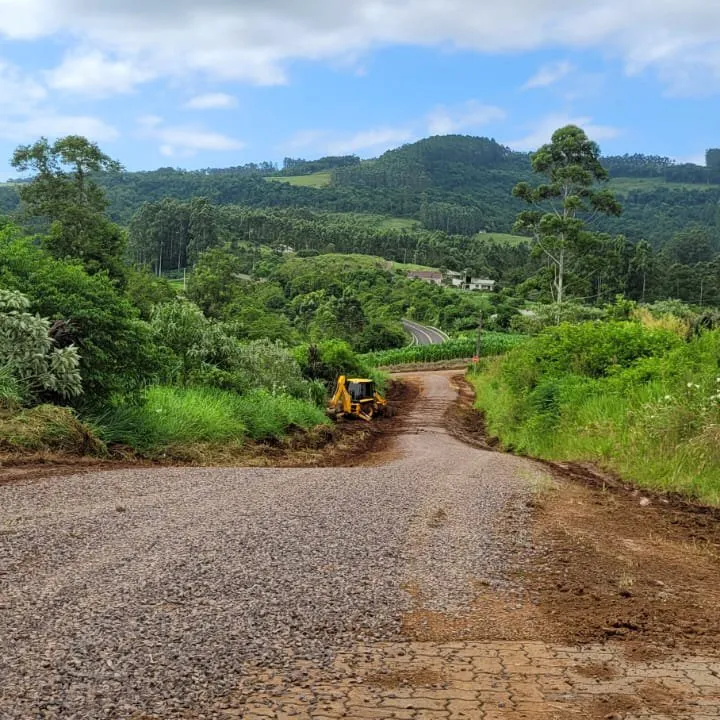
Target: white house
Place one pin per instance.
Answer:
(465, 281)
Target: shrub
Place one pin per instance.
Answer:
(637, 400)
(29, 360)
(326, 360)
(114, 344)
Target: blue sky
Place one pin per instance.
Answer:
(224, 82)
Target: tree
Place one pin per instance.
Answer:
(642, 260)
(29, 356)
(64, 193)
(566, 202)
(114, 344)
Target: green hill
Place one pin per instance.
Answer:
(457, 184)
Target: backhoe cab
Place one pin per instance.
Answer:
(356, 397)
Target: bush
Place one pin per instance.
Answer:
(29, 360)
(329, 359)
(116, 352)
(637, 400)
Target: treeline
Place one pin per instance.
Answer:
(300, 166)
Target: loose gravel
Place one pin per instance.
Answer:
(148, 591)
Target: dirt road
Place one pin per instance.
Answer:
(443, 581)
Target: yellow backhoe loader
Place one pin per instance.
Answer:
(357, 397)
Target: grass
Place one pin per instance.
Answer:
(379, 222)
(171, 417)
(47, 428)
(503, 238)
(656, 422)
(316, 180)
(459, 348)
(625, 185)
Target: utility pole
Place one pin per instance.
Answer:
(478, 342)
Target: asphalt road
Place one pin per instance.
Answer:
(424, 335)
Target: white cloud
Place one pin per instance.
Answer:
(442, 120)
(18, 92)
(362, 142)
(212, 101)
(185, 140)
(549, 74)
(92, 73)
(53, 125)
(25, 113)
(254, 40)
(542, 132)
(472, 114)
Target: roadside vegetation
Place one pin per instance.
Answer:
(636, 397)
(178, 315)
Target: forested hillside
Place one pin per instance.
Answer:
(460, 185)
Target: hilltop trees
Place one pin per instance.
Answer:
(570, 197)
(64, 194)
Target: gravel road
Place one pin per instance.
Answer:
(146, 591)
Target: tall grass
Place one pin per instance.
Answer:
(493, 343)
(654, 419)
(172, 417)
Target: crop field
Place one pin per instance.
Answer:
(493, 343)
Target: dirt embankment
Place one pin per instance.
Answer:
(612, 562)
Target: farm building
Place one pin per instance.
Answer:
(429, 276)
(465, 281)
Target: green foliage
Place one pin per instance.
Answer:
(171, 418)
(28, 353)
(272, 416)
(538, 317)
(257, 365)
(182, 328)
(64, 194)
(327, 360)
(113, 343)
(562, 205)
(145, 291)
(637, 400)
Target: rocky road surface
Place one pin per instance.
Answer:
(148, 593)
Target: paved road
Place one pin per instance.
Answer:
(423, 334)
